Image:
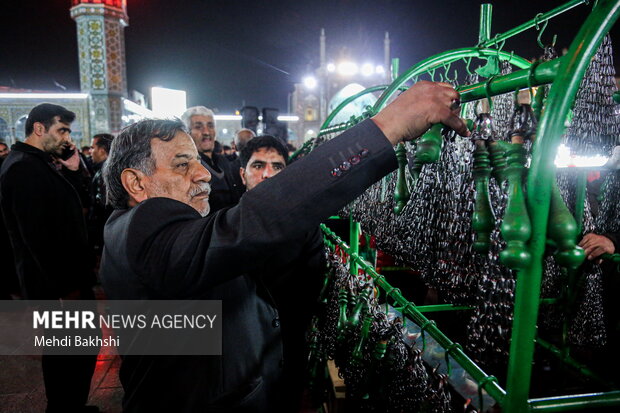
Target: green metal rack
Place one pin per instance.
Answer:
(565, 74)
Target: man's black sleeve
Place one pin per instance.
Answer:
(175, 251)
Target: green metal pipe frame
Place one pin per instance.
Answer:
(410, 310)
(348, 100)
(539, 75)
(542, 171)
(566, 73)
(541, 18)
(439, 60)
(427, 65)
(484, 33)
(583, 402)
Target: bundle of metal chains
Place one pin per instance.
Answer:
(381, 372)
(594, 129)
(491, 320)
(585, 315)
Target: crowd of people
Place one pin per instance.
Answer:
(157, 212)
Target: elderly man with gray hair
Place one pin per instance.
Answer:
(226, 188)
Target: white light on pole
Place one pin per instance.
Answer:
(168, 102)
(367, 69)
(310, 82)
(347, 68)
(331, 67)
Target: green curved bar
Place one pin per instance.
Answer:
(401, 193)
(483, 220)
(348, 100)
(441, 59)
(551, 128)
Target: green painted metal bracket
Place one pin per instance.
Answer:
(410, 310)
(516, 226)
(483, 219)
(550, 129)
(542, 74)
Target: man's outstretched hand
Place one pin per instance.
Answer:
(417, 109)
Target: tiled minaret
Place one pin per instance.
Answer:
(101, 48)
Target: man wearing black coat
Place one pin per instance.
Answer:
(44, 219)
(160, 244)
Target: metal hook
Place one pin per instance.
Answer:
(467, 64)
(541, 30)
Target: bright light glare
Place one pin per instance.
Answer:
(310, 82)
(288, 118)
(331, 67)
(367, 69)
(309, 132)
(379, 70)
(137, 109)
(347, 68)
(565, 160)
(168, 102)
(224, 130)
(227, 117)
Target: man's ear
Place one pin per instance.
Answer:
(242, 173)
(133, 182)
(38, 128)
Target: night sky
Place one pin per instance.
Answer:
(226, 53)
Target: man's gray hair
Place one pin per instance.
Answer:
(186, 117)
(132, 149)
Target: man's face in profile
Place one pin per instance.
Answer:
(203, 132)
(178, 173)
(56, 137)
(264, 163)
(4, 150)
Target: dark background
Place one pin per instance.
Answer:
(227, 52)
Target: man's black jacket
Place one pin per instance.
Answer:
(163, 249)
(44, 219)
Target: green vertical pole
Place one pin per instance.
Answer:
(486, 12)
(541, 174)
(354, 243)
(395, 68)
